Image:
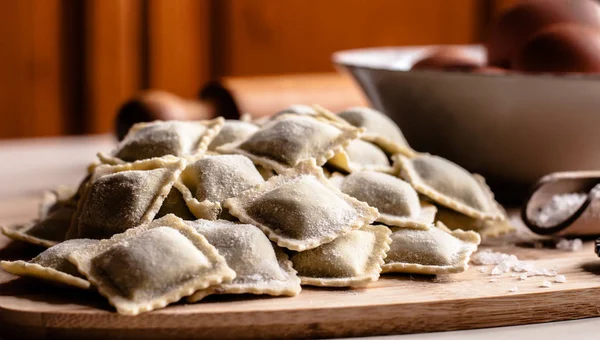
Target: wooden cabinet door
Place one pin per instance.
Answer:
(32, 93)
(67, 65)
(255, 37)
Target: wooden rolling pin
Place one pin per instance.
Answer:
(232, 97)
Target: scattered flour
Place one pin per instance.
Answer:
(514, 289)
(559, 208)
(560, 279)
(546, 284)
(569, 245)
(523, 277)
(493, 280)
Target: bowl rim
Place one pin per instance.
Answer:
(348, 59)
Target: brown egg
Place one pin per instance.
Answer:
(564, 48)
(509, 32)
(447, 58)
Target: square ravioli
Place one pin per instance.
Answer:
(437, 250)
(315, 111)
(55, 199)
(284, 142)
(353, 259)
(449, 185)
(361, 155)
(260, 267)
(161, 138)
(47, 232)
(151, 266)
(231, 132)
(397, 202)
(175, 204)
(52, 264)
(300, 209)
(54, 219)
(208, 181)
(119, 197)
(487, 229)
(380, 129)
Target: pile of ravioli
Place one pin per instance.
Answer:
(187, 209)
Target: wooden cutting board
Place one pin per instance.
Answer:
(393, 305)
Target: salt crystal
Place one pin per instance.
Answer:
(546, 284)
(482, 270)
(491, 257)
(569, 245)
(513, 289)
(558, 209)
(505, 263)
(593, 210)
(560, 279)
(497, 271)
(535, 272)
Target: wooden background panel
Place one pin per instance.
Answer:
(178, 45)
(30, 58)
(113, 71)
(502, 5)
(67, 65)
(268, 37)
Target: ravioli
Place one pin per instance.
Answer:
(315, 111)
(231, 132)
(55, 199)
(175, 204)
(297, 109)
(353, 259)
(485, 228)
(260, 267)
(49, 231)
(361, 155)
(380, 129)
(52, 264)
(205, 183)
(289, 140)
(337, 179)
(161, 138)
(449, 185)
(124, 196)
(437, 250)
(397, 202)
(151, 266)
(300, 209)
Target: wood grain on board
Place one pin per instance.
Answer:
(395, 304)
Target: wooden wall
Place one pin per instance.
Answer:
(68, 64)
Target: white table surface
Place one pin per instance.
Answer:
(28, 167)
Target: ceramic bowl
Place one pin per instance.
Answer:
(512, 128)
